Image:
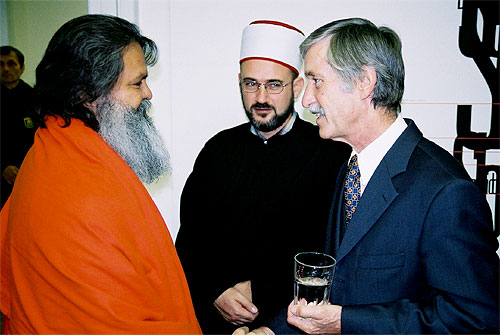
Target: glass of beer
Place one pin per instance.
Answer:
(313, 278)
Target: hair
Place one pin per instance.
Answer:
(356, 43)
(5, 50)
(82, 63)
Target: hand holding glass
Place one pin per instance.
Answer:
(313, 278)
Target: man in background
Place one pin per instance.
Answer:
(16, 113)
(259, 192)
(412, 235)
(84, 248)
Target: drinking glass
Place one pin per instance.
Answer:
(313, 278)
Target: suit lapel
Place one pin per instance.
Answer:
(380, 191)
(335, 218)
(374, 201)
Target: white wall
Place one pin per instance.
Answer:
(195, 83)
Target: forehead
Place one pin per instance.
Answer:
(10, 57)
(264, 70)
(316, 59)
(134, 65)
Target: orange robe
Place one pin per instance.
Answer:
(84, 248)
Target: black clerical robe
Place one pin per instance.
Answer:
(247, 208)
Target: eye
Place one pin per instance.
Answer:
(249, 83)
(317, 81)
(273, 84)
(137, 84)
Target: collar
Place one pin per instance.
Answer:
(288, 126)
(372, 155)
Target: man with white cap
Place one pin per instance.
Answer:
(258, 193)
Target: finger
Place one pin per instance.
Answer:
(241, 331)
(246, 316)
(298, 322)
(305, 311)
(261, 331)
(236, 314)
(237, 323)
(247, 304)
(245, 308)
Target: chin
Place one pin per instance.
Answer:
(325, 133)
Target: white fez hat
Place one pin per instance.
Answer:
(274, 41)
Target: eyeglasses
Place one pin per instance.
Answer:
(271, 86)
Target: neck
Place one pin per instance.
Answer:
(371, 129)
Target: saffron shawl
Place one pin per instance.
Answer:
(84, 248)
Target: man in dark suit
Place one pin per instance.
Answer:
(412, 235)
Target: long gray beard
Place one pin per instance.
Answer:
(133, 135)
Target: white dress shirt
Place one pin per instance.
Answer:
(371, 156)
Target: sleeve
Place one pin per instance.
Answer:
(458, 256)
(199, 210)
(193, 243)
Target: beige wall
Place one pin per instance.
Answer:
(31, 24)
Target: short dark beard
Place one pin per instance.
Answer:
(273, 124)
(133, 135)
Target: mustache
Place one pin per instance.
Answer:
(264, 105)
(144, 108)
(316, 109)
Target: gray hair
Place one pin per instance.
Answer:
(356, 43)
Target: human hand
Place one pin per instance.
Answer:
(320, 319)
(10, 173)
(235, 304)
(259, 331)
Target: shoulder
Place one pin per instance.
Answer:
(437, 161)
(233, 131)
(226, 140)
(230, 133)
(418, 156)
(23, 86)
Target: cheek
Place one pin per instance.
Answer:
(281, 102)
(247, 101)
(131, 98)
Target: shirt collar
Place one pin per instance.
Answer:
(288, 126)
(372, 155)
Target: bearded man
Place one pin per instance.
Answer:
(84, 248)
(259, 192)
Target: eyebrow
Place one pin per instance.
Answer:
(139, 77)
(268, 80)
(310, 74)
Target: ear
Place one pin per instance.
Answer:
(239, 77)
(367, 83)
(298, 83)
(90, 105)
(22, 69)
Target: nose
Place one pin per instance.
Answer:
(262, 95)
(308, 98)
(146, 91)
